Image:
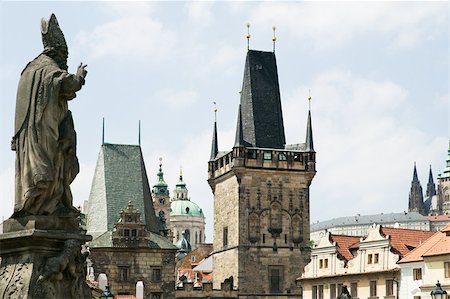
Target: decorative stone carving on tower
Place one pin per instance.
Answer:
(415, 194)
(261, 191)
(41, 244)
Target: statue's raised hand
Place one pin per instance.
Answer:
(81, 71)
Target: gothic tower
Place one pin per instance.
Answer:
(261, 192)
(415, 194)
(431, 188)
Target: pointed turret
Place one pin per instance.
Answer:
(309, 134)
(261, 115)
(415, 194)
(239, 139)
(431, 188)
(214, 145)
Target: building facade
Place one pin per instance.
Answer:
(366, 265)
(359, 225)
(130, 253)
(427, 264)
(161, 203)
(261, 192)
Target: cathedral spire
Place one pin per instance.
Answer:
(309, 133)
(214, 145)
(415, 194)
(431, 188)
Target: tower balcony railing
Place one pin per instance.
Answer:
(265, 158)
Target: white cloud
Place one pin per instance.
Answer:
(365, 149)
(177, 99)
(7, 187)
(81, 186)
(134, 37)
(200, 11)
(326, 24)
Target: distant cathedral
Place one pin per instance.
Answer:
(261, 192)
(434, 202)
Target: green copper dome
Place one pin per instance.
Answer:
(185, 207)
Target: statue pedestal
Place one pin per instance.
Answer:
(40, 262)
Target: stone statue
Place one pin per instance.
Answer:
(44, 137)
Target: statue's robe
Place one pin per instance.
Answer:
(45, 139)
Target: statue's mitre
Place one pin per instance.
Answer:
(52, 36)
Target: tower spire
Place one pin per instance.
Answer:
(214, 145)
(431, 188)
(309, 133)
(239, 139)
(415, 194)
(139, 133)
(103, 131)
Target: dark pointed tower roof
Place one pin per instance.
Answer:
(119, 177)
(431, 188)
(214, 145)
(261, 115)
(309, 134)
(415, 194)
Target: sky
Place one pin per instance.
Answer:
(377, 73)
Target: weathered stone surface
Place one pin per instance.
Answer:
(43, 264)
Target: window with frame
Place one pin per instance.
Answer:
(320, 291)
(389, 287)
(369, 258)
(123, 273)
(193, 259)
(376, 258)
(320, 263)
(333, 291)
(157, 296)
(275, 278)
(133, 233)
(354, 289)
(416, 297)
(282, 157)
(267, 156)
(325, 263)
(447, 269)
(373, 288)
(417, 274)
(126, 232)
(314, 292)
(156, 274)
(251, 154)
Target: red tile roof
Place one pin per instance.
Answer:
(402, 240)
(439, 218)
(438, 244)
(344, 244)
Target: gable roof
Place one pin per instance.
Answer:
(344, 244)
(402, 240)
(437, 244)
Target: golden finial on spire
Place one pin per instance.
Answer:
(274, 38)
(248, 36)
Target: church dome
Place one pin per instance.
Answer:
(185, 207)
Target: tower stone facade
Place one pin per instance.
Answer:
(261, 192)
(161, 203)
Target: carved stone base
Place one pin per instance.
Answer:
(37, 263)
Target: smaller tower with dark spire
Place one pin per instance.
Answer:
(415, 194)
(161, 203)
